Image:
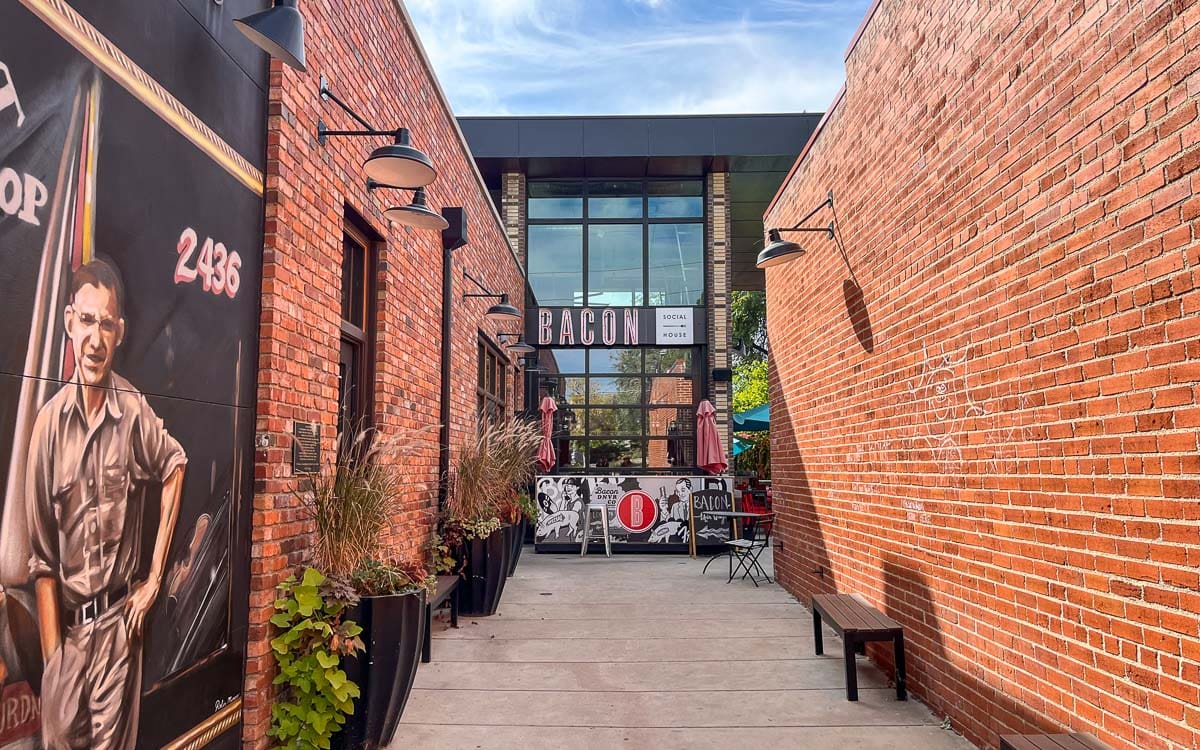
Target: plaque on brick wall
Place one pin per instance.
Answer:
(306, 448)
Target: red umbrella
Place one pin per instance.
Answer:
(709, 455)
(546, 457)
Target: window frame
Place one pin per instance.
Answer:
(585, 220)
(361, 340)
(644, 438)
(491, 384)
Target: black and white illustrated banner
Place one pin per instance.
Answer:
(641, 509)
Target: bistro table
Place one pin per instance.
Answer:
(733, 516)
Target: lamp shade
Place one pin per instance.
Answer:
(417, 214)
(779, 251)
(400, 164)
(503, 309)
(520, 347)
(279, 31)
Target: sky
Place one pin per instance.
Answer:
(620, 57)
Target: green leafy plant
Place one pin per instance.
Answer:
(528, 507)
(383, 578)
(313, 639)
(452, 534)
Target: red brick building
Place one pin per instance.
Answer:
(986, 393)
(318, 207)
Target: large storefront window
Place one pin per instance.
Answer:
(616, 243)
(622, 408)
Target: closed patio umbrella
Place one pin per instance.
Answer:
(546, 456)
(709, 455)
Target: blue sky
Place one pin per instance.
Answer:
(536, 57)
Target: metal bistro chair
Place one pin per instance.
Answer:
(602, 509)
(747, 551)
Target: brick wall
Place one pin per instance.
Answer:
(369, 53)
(984, 396)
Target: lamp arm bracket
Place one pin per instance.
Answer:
(827, 229)
(373, 185)
(328, 95)
(478, 283)
(827, 202)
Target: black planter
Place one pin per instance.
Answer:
(393, 630)
(518, 544)
(484, 574)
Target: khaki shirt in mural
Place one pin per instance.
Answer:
(82, 485)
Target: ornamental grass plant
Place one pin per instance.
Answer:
(483, 487)
(353, 499)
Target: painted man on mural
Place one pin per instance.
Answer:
(96, 444)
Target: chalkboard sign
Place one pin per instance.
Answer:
(706, 530)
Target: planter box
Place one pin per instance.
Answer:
(393, 631)
(518, 543)
(484, 573)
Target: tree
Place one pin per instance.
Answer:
(749, 384)
(748, 325)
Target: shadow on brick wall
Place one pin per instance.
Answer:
(860, 318)
(976, 709)
(804, 562)
(852, 293)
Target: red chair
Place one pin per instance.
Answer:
(754, 501)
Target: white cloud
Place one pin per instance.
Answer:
(599, 57)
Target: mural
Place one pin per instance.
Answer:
(641, 509)
(129, 240)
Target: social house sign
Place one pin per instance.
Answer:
(616, 326)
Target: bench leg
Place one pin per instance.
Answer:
(901, 687)
(454, 608)
(427, 646)
(848, 648)
(817, 642)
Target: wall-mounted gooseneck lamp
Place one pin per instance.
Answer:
(781, 250)
(518, 346)
(502, 309)
(399, 163)
(278, 31)
(415, 214)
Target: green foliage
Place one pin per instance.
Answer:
(313, 638)
(452, 533)
(756, 458)
(748, 324)
(749, 384)
(379, 578)
(528, 506)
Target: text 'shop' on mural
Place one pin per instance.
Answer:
(126, 246)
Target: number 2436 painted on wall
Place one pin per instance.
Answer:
(216, 267)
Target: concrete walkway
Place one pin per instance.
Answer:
(643, 653)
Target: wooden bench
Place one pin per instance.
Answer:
(858, 623)
(1051, 742)
(447, 589)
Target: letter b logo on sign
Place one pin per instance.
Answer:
(636, 511)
